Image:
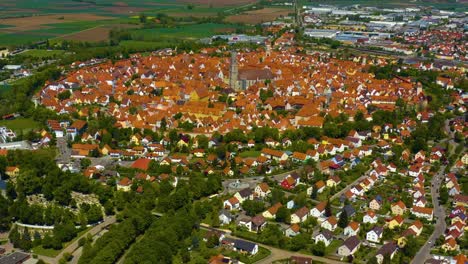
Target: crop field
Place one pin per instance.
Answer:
(183, 32)
(259, 16)
(31, 21)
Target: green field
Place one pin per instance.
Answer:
(42, 53)
(249, 154)
(20, 124)
(186, 32)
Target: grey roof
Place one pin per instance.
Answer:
(352, 242)
(378, 230)
(244, 245)
(327, 234)
(245, 192)
(387, 249)
(14, 258)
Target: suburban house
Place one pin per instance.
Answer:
(124, 184)
(395, 221)
(300, 215)
(352, 229)
(349, 247)
(422, 212)
(376, 203)
(291, 181)
(225, 217)
(388, 249)
(245, 247)
(231, 204)
(274, 154)
(330, 224)
(398, 208)
(375, 234)
(370, 217)
(292, 230)
(262, 190)
(270, 213)
(244, 194)
(325, 236)
(319, 210)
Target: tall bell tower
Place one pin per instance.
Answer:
(233, 71)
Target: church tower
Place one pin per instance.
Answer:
(233, 71)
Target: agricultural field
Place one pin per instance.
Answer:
(259, 16)
(42, 53)
(184, 32)
(31, 21)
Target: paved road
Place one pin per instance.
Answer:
(349, 186)
(439, 213)
(73, 247)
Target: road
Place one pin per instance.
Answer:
(439, 213)
(276, 253)
(349, 186)
(74, 247)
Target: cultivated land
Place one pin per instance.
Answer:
(259, 16)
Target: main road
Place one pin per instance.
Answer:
(424, 252)
(74, 247)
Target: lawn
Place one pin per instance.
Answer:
(250, 154)
(20, 124)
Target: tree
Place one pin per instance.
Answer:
(283, 214)
(411, 246)
(299, 242)
(318, 249)
(142, 17)
(444, 195)
(328, 211)
(64, 95)
(85, 163)
(253, 207)
(343, 220)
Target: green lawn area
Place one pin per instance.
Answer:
(250, 154)
(331, 249)
(20, 124)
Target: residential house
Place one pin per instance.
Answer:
(12, 171)
(349, 247)
(352, 229)
(262, 190)
(389, 249)
(225, 217)
(291, 181)
(333, 181)
(398, 208)
(245, 247)
(300, 215)
(270, 213)
(325, 236)
(124, 184)
(395, 221)
(244, 194)
(231, 204)
(422, 212)
(292, 230)
(370, 217)
(330, 224)
(376, 203)
(319, 186)
(375, 235)
(319, 210)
